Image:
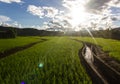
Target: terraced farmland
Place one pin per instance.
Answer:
(54, 61)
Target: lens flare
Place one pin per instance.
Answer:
(22, 82)
(40, 65)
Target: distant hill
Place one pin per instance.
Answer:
(113, 33)
(31, 31)
(4, 28)
(7, 32)
(116, 29)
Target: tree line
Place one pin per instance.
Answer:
(10, 32)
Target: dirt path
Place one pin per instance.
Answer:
(104, 56)
(17, 49)
(104, 68)
(97, 50)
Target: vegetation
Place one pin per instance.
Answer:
(116, 33)
(108, 33)
(28, 32)
(113, 46)
(10, 33)
(6, 44)
(54, 61)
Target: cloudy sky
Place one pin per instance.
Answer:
(75, 14)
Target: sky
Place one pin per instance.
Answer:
(60, 14)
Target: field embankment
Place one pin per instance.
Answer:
(20, 48)
(7, 44)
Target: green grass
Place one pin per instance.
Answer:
(113, 46)
(6, 44)
(54, 61)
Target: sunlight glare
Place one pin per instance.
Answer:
(78, 15)
(91, 35)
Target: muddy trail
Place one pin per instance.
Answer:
(20, 48)
(102, 68)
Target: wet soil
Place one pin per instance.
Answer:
(98, 51)
(104, 69)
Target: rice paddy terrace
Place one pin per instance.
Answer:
(51, 60)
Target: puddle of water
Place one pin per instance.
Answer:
(88, 55)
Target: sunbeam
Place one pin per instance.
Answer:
(91, 35)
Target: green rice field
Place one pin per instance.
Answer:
(54, 61)
(6, 44)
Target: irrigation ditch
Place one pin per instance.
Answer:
(20, 48)
(101, 68)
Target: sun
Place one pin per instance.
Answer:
(78, 15)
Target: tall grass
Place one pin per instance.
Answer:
(6, 44)
(54, 61)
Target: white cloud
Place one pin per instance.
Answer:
(4, 18)
(94, 6)
(42, 11)
(6, 21)
(60, 22)
(114, 3)
(35, 26)
(10, 1)
(115, 17)
(71, 3)
(13, 24)
(16, 24)
(50, 11)
(95, 11)
(38, 11)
